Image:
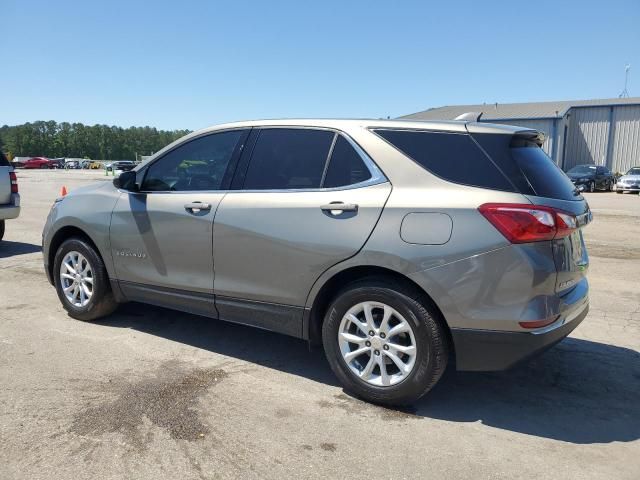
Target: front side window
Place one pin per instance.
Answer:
(199, 164)
(288, 158)
(346, 166)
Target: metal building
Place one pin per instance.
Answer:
(601, 132)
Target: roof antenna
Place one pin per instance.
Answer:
(625, 92)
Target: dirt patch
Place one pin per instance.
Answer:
(358, 407)
(168, 400)
(619, 252)
(328, 447)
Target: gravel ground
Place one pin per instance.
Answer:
(152, 393)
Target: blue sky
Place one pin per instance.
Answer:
(191, 64)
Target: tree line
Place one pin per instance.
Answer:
(76, 140)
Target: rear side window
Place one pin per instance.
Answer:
(452, 156)
(527, 166)
(288, 158)
(346, 166)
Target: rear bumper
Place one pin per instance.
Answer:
(12, 209)
(491, 350)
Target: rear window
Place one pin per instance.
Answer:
(545, 177)
(454, 157)
(3, 160)
(527, 166)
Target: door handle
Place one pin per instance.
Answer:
(197, 207)
(338, 208)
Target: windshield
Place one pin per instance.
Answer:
(583, 169)
(634, 171)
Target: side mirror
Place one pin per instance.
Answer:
(127, 181)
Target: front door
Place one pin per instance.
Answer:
(298, 213)
(161, 237)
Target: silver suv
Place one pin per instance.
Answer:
(400, 246)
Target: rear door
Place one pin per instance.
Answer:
(5, 181)
(293, 215)
(161, 237)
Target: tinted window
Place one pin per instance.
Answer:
(346, 166)
(3, 160)
(196, 165)
(545, 177)
(288, 159)
(527, 166)
(452, 156)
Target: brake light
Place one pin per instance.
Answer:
(14, 182)
(522, 223)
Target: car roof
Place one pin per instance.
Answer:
(444, 125)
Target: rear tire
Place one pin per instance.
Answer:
(101, 301)
(422, 367)
(1, 230)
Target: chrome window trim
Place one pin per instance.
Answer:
(377, 176)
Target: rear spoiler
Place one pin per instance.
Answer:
(525, 138)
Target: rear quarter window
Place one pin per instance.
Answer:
(454, 157)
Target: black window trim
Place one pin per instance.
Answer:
(229, 171)
(377, 176)
(446, 132)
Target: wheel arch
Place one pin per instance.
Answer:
(331, 287)
(64, 233)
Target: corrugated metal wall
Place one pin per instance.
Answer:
(542, 125)
(626, 138)
(587, 137)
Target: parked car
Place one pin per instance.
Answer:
(56, 163)
(394, 244)
(39, 162)
(592, 177)
(9, 196)
(630, 181)
(72, 165)
(122, 165)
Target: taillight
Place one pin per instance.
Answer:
(522, 223)
(14, 182)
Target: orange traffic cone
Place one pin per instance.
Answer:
(63, 192)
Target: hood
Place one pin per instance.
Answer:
(578, 176)
(90, 188)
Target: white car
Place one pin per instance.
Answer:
(630, 181)
(9, 196)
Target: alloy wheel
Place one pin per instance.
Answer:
(377, 343)
(76, 279)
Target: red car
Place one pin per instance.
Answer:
(39, 162)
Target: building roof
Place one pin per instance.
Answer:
(512, 111)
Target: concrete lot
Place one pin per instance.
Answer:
(152, 393)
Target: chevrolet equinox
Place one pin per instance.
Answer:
(399, 246)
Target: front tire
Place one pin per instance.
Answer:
(592, 187)
(1, 230)
(384, 342)
(81, 281)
